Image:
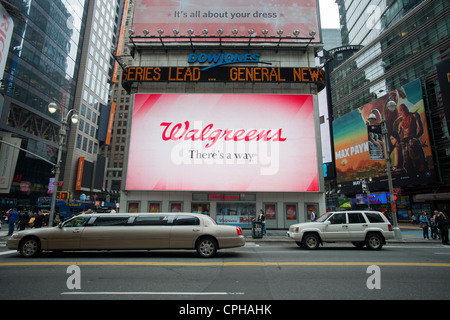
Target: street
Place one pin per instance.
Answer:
(257, 271)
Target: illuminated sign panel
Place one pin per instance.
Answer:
(409, 142)
(223, 142)
(228, 15)
(222, 74)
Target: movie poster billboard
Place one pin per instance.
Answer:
(408, 142)
(228, 15)
(223, 142)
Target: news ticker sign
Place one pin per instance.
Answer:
(223, 74)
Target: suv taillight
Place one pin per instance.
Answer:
(239, 231)
(390, 227)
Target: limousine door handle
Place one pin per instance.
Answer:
(76, 230)
(196, 230)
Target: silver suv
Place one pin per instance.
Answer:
(362, 228)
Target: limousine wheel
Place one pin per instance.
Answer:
(30, 247)
(206, 247)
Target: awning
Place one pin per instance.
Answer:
(431, 196)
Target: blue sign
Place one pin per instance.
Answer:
(219, 59)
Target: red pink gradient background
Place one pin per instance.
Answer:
(155, 164)
(273, 15)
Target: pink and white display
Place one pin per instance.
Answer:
(223, 142)
(228, 15)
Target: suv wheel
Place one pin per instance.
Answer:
(310, 241)
(374, 241)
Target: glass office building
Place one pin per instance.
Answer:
(402, 41)
(42, 67)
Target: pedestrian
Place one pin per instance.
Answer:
(413, 219)
(262, 219)
(442, 224)
(38, 220)
(433, 226)
(424, 224)
(13, 216)
(23, 220)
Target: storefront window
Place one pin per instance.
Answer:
(154, 207)
(202, 208)
(291, 211)
(270, 210)
(175, 207)
(133, 207)
(239, 214)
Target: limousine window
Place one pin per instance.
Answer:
(153, 220)
(111, 221)
(76, 222)
(187, 221)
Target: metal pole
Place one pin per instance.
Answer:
(61, 143)
(55, 185)
(395, 226)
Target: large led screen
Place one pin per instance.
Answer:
(223, 142)
(227, 15)
(409, 146)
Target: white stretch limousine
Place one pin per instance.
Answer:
(130, 231)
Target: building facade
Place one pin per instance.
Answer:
(226, 127)
(42, 67)
(60, 53)
(404, 43)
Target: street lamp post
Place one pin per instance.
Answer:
(372, 118)
(52, 108)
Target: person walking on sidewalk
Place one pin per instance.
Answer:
(424, 224)
(262, 219)
(13, 216)
(442, 224)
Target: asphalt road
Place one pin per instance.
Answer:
(260, 271)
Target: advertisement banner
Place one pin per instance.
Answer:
(409, 144)
(227, 15)
(223, 142)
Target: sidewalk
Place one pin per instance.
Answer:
(410, 233)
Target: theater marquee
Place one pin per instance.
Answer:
(223, 74)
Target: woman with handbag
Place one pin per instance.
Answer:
(424, 224)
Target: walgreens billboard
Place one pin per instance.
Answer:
(227, 15)
(223, 142)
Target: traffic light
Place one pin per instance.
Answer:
(63, 195)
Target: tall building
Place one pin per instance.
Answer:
(395, 72)
(85, 168)
(114, 151)
(60, 52)
(42, 67)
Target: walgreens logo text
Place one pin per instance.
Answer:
(184, 131)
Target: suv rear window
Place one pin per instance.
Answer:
(374, 217)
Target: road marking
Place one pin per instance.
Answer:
(151, 293)
(223, 264)
(7, 252)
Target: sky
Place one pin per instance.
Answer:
(329, 14)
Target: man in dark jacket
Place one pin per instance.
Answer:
(38, 220)
(442, 224)
(23, 220)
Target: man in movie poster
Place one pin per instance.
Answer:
(408, 142)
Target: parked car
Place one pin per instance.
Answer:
(120, 231)
(362, 228)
